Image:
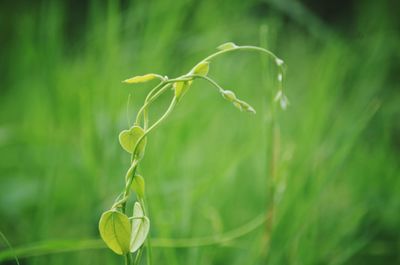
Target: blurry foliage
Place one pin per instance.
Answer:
(62, 105)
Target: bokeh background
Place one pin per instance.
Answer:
(208, 167)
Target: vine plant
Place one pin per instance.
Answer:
(124, 234)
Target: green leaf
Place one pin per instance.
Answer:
(246, 107)
(227, 46)
(181, 88)
(129, 138)
(228, 95)
(201, 69)
(115, 229)
(138, 185)
(243, 106)
(142, 78)
(140, 227)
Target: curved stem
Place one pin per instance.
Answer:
(246, 47)
(150, 98)
(145, 113)
(129, 178)
(209, 80)
(148, 240)
(165, 115)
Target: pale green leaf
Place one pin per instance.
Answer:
(140, 227)
(129, 138)
(227, 46)
(142, 78)
(181, 88)
(279, 61)
(243, 106)
(138, 185)
(201, 69)
(246, 107)
(115, 229)
(228, 95)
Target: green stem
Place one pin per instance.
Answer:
(248, 48)
(129, 178)
(128, 259)
(209, 80)
(138, 256)
(148, 240)
(163, 117)
(150, 98)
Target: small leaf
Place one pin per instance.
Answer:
(243, 106)
(181, 88)
(140, 228)
(237, 105)
(278, 61)
(129, 138)
(246, 106)
(138, 185)
(201, 69)
(228, 95)
(227, 46)
(142, 78)
(115, 229)
(284, 102)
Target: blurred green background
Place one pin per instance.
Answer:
(207, 167)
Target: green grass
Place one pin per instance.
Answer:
(62, 106)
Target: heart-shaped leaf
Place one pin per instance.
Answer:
(181, 88)
(201, 69)
(115, 229)
(140, 227)
(138, 185)
(129, 138)
(142, 78)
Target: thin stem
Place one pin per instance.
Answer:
(214, 239)
(10, 247)
(138, 256)
(149, 256)
(247, 47)
(148, 240)
(165, 115)
(150, 98)
(145, 112)
(129, 178)
(209, 80)
(128, 259)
